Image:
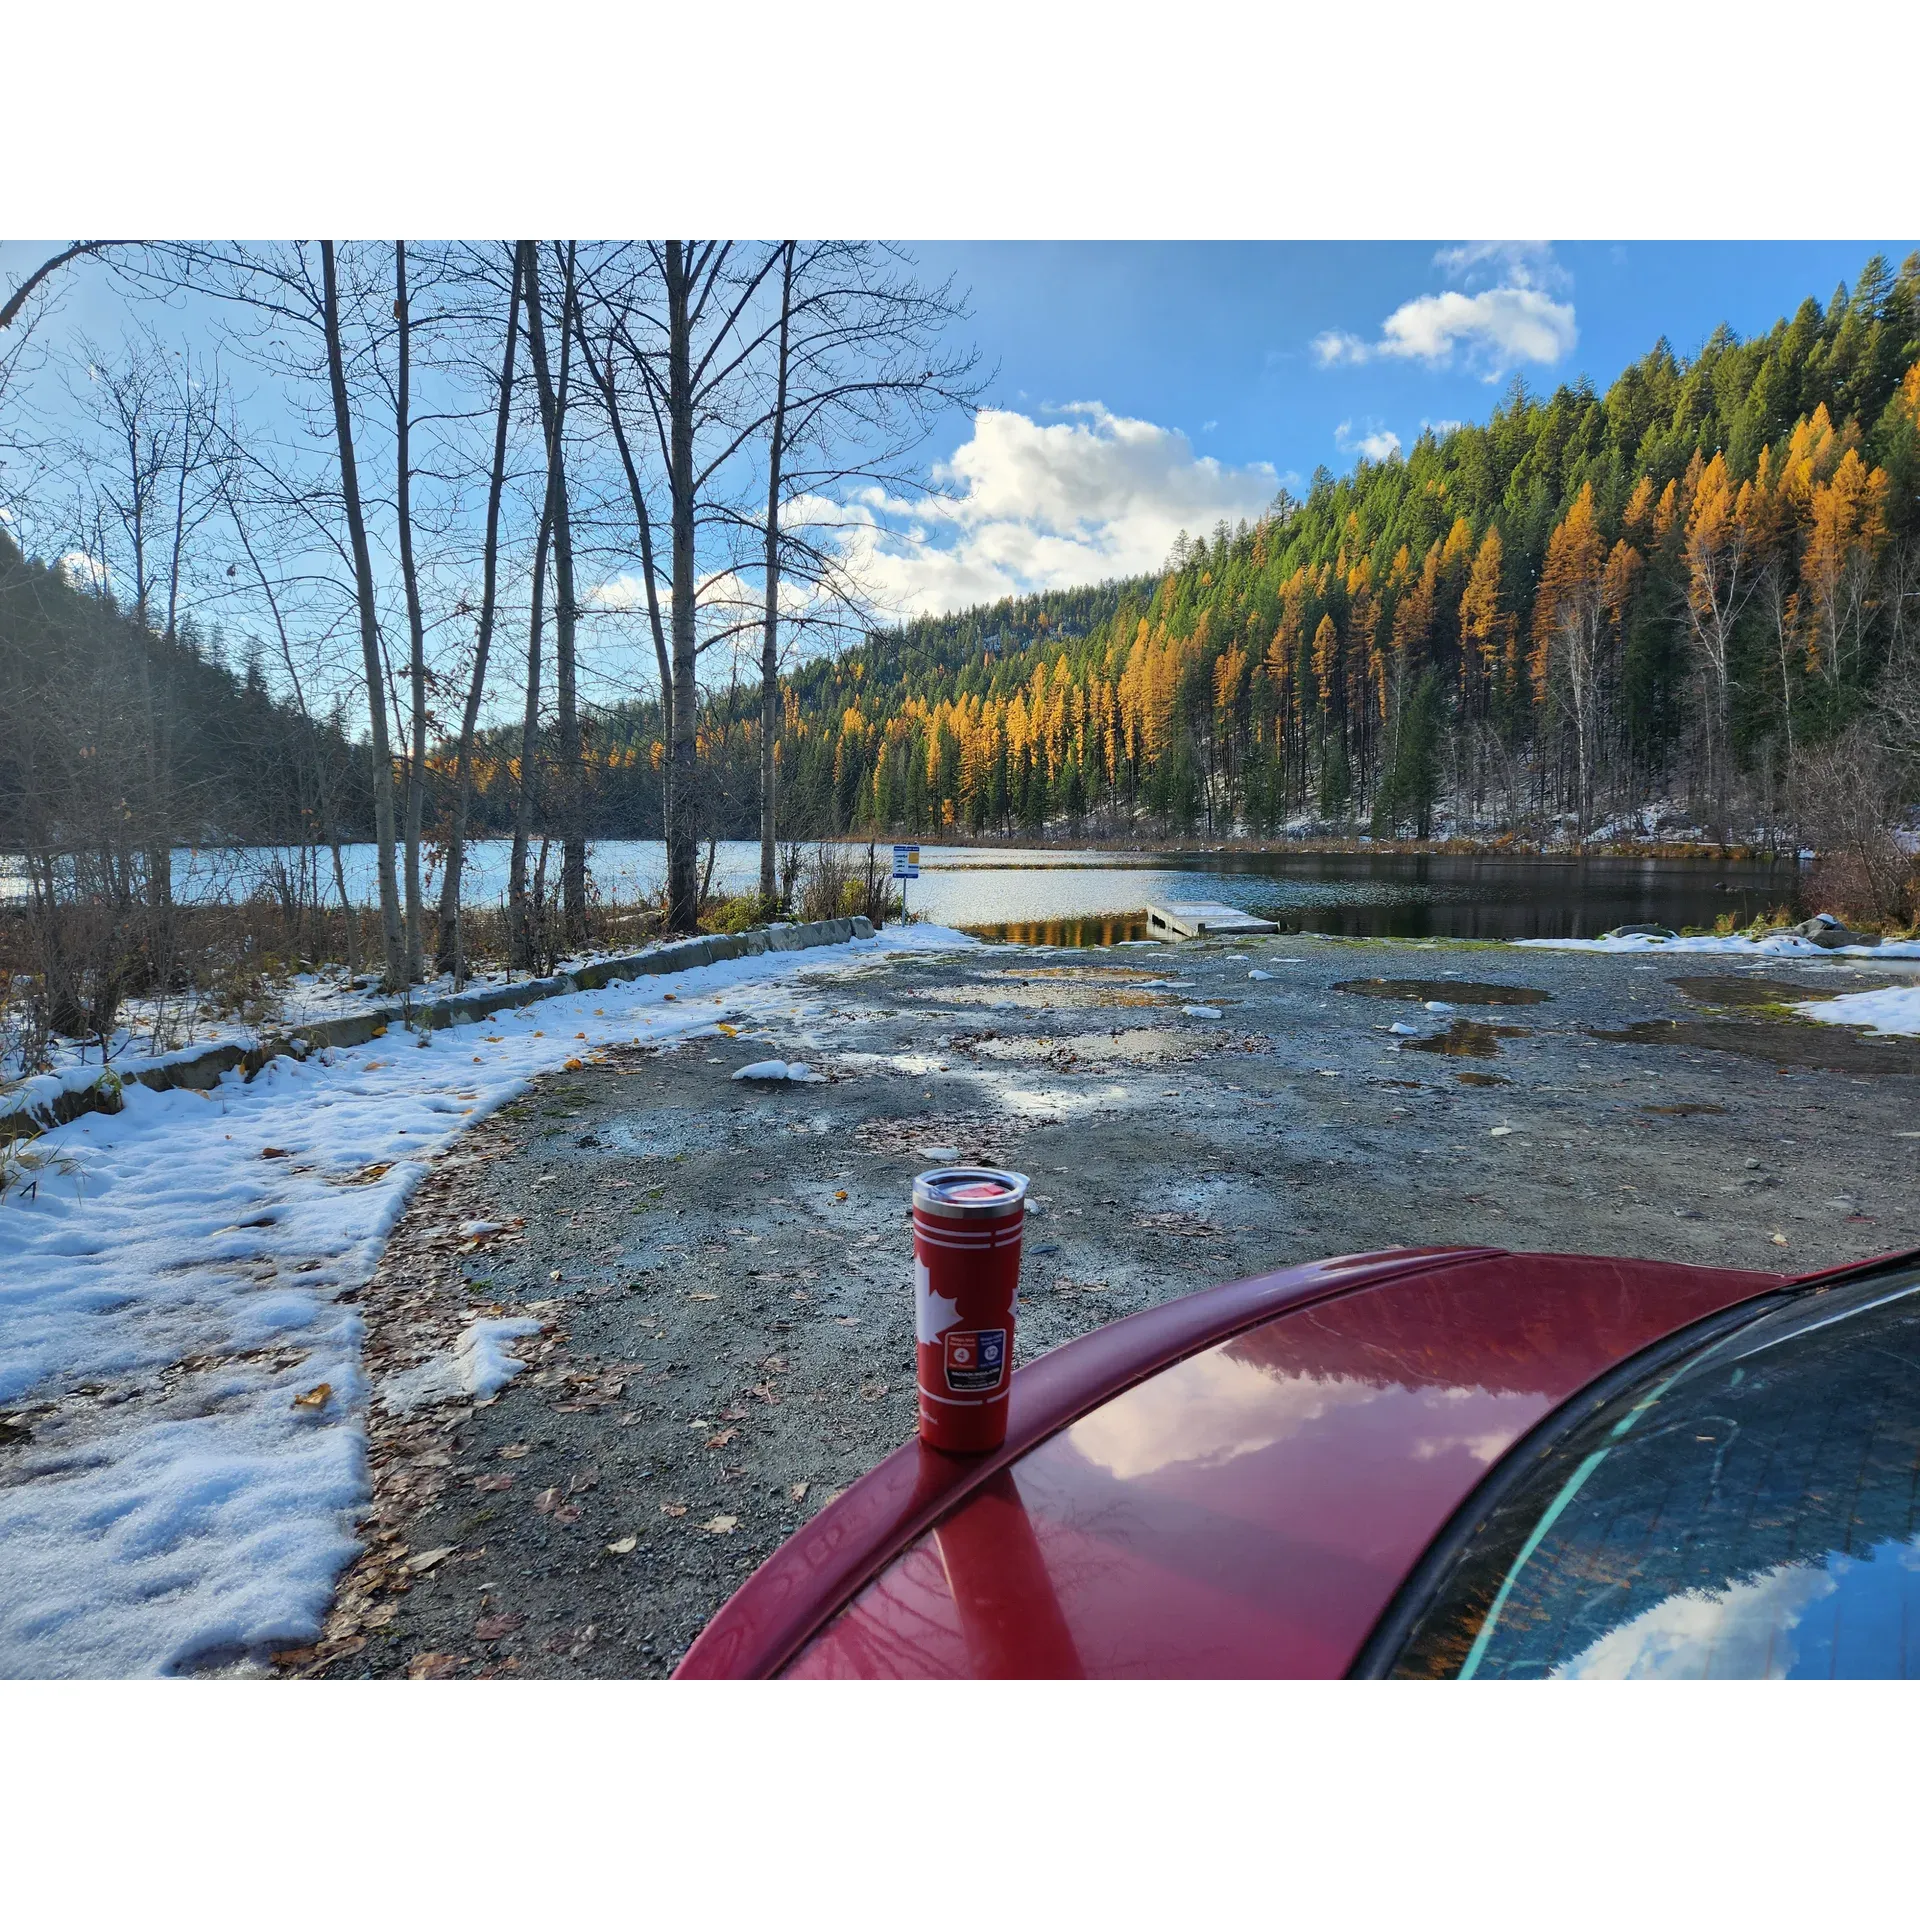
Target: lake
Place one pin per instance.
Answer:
(1058, 897)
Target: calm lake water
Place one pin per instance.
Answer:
(1042, 896)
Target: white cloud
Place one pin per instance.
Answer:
(1441, 428)
(1028, 505)
(1374, 442)
(1502, 311)
(84, 571)
(1740, 1632)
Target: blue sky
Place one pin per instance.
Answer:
(1146, 386)
(1143, 389)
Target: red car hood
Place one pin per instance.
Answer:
(1230, 1485)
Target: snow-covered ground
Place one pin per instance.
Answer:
(1764, 946)
(1889, 1010)
(148, 1032)
(170, 1311)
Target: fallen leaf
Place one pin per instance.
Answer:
(627, 1545)
(733, 1413)
(518, 1450)
(546, 1499)
(431, 1558)
(493, 1482)
(841, 1194)
(314, 1397)
(732, 1033)
(581, 1482)
(703, 1296)
(797, 1492)
(672, 1512)
(274, 1153)
(721, 1523)
(565, 1516)
(293, 1657)
(846, 1320)
(721, 1438)
(1779, 1239)
(434, 1666)
(496, 1626)
(573, 1066)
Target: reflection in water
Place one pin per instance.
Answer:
(1095, 930)
(1466, 1040)
(1467, 993)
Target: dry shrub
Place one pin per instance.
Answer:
(842, 880)
(1847, 792)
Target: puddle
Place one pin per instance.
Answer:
(1686, 1110)
(1483, 1079)
(1753, 989)
(1782, 1043)
(1466, 1039)
(1463, 993)
(1037, 998)
(1134, 1046)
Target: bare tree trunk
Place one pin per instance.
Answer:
(610, 398)
(416, 629)
(451, 956)
(519, 921)
(394, 967)
(683, 841)
(553, 416)
(769, 645)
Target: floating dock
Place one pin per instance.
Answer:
(1193, 919)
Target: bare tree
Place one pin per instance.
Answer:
(394, 972)
(450, 957)
(770, 638)
(857, 376)
(416, 781)
(553, 419)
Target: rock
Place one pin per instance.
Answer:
(1648, 928)
(1825, 931)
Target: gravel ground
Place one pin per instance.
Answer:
(721, 1267)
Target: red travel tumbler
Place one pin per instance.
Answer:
(967, 1223)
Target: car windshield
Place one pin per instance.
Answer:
(1751, 1510)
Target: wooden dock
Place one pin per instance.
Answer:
(1194, 919)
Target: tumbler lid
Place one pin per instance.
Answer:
(970, 1193)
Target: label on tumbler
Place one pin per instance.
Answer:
(977, 1361)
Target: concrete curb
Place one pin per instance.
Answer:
(203, 1071)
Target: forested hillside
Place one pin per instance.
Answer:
(1663, 593)
(114, 737)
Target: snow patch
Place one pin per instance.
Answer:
(1767, 946)
(1892, 1010)
(478, 1366)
